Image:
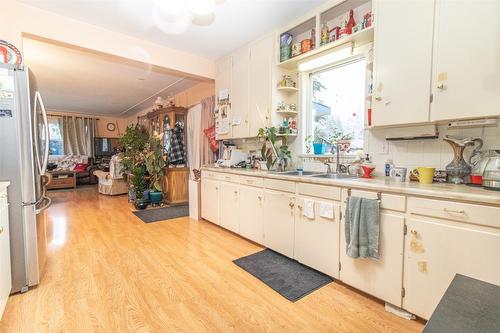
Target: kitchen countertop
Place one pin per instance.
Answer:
(442, 191)
(468, 305)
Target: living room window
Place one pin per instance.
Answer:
(56, 144)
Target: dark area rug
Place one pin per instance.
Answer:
(162, 214)
(286, 276)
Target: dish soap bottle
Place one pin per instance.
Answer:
(388, 166)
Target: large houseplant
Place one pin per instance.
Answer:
(271, 151)
(142, 160)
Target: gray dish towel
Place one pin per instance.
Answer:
(362, 228)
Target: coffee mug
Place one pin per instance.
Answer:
(398, 174)
(424, 174)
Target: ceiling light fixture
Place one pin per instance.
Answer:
(201, 7)
(174, 16)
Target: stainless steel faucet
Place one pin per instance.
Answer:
(337, 151)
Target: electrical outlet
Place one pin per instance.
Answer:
(385, 148)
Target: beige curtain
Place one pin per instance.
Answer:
(78, 135)
(207, 121)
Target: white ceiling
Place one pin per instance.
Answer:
(236, 22)
(74, 80)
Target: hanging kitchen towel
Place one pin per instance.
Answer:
(326, 210)
(309, 208)
(362, 228)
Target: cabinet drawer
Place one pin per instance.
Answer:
(251, 181)
(477, 214)
(320, 191)
(228, 177)
(388, 201)
(279, 185)
(210, 174)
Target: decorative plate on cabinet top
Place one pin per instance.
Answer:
(111, 127)
(9, 54)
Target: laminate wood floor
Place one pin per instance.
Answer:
(107, 271)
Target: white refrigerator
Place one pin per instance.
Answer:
(24, 150)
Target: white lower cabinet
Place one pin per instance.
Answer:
(279, 221)
(380, 278)
(229, 217)
(317, 239)
(251, 213)
(5, 277)
(210, 200)
(436, 250)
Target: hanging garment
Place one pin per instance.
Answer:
(177, 150)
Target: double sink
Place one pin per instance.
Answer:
(315, 174)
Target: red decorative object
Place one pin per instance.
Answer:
(367, 171)
(210, 134)
(80, 167)
(351, 23)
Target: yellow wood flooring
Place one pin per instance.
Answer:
(107, 271)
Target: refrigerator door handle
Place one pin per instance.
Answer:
(44, 207)
(42, 168)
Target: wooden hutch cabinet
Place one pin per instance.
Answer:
(175, 182)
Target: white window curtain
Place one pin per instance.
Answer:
(199, 118)
(79, 134)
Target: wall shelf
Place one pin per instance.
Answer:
(288, 89)
(360, 37)
(292, 113)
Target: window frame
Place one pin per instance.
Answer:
(359, 53)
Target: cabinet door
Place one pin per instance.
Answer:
(223, 81)
(381, 278)
(251, 202)
(240, 90)
(210, 200)
(5, 277)
(402, 62)
(261, 57)
(279, 221)
(317, 240)
(229, 218)
(466, 77)
(436, 250)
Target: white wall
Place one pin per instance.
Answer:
(433, 153)
(18, 19)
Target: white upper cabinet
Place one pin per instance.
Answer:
(402, 62)
(466, 77)
(247, 73)
(261, 61)
(240, 90)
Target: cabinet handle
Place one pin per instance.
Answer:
(259, 197)
(451, 211)
(235, 192)
(1, 230)
(291, 204)
(216, 188)
(440, 86)
(378, 98)
(414, 232)
(299, 207)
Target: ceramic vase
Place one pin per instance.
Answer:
(458, 170)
